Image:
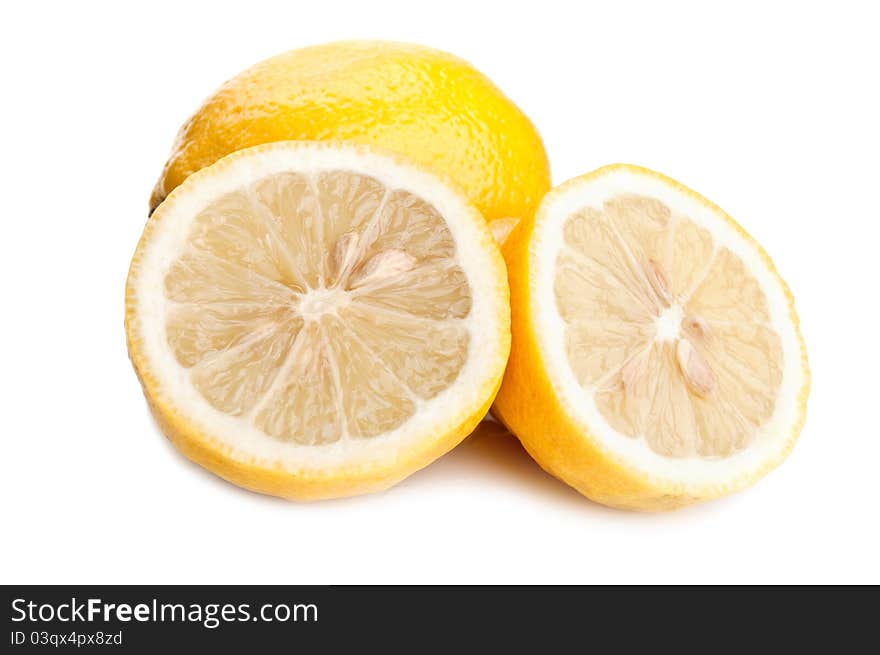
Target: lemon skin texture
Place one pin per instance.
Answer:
(425, 105)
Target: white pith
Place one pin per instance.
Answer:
(237, 437)
(678, 473)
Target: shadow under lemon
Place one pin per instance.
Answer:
(492, 453)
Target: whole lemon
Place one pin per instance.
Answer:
(425, 105)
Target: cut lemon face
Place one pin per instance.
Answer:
(656, 356)
(313, 321)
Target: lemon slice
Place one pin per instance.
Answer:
(656, 357)
(313, 321)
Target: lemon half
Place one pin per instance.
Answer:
(656, 357)
(316, 320)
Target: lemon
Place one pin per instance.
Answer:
(313, 320)
(656, 357)
(423, 104)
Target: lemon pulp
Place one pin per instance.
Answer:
(665, 328)
(318, 307)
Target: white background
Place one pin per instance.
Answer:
(770, 109)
